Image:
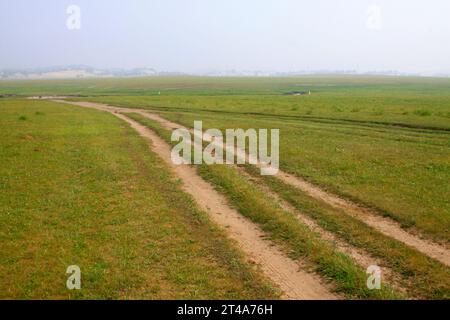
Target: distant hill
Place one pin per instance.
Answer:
(73, 72)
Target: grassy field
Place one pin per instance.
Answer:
(402, 173)
(79, 187)
(382, 142)
(420, 276)
(284, 228)
(379, 141)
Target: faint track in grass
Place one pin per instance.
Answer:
(316, 119)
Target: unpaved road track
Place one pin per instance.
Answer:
(384, 225)
(283, 271)
(363, 258)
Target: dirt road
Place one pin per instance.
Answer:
(382, 224)
(294, 282)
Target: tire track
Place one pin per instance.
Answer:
(384, 225)
(283, 271)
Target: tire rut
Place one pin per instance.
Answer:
(384, 225)
(286, 273)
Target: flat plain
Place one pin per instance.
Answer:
(379, 143)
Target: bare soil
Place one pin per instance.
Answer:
(384, 225)
(286, 273)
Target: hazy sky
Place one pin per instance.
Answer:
(207, 35)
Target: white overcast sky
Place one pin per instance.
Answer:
(214, 35)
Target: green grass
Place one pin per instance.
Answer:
(383, 142)
(284, 228)
(80, 187)
(399, 109)
(420, 275)
(380, 141)
(401, 173)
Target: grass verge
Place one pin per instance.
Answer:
(299, 241)
(422, 276)
(80, 187)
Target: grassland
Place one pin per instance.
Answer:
(403, 174)
(420, 276)
(80, 187)
(382, 142)
(296, 238)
